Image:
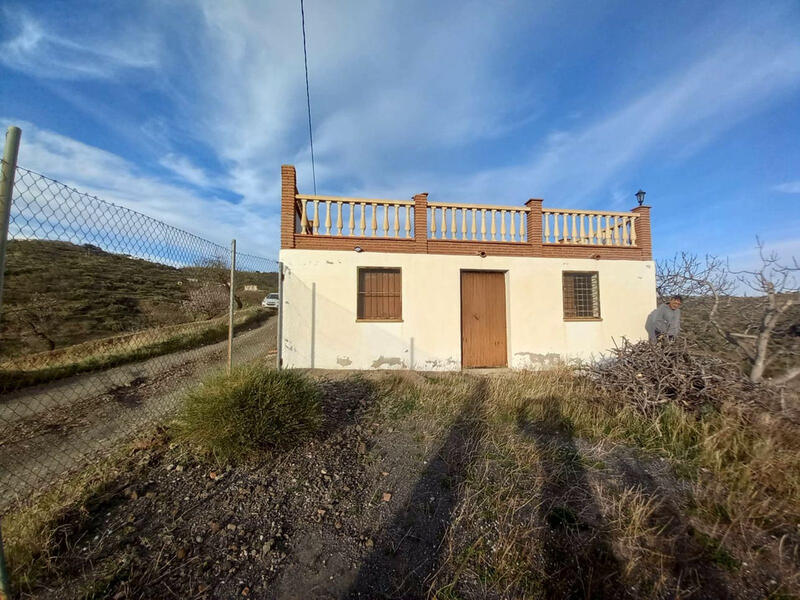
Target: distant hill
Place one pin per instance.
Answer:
(58, 294)
(739, 312)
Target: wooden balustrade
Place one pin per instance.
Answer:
(349, 217)
(466, 222)
(367, 217)
(583, 227)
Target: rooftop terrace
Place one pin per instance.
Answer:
(423, 226)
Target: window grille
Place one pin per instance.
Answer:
(581, 295)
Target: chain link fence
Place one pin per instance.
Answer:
(108, 317)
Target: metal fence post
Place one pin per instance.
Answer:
(6, 190)
(9, 165)
(230, 307)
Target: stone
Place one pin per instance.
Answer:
(386, 496)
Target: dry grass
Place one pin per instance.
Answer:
(565, 491)
(728, 509)
(122, 349)
(39, 529)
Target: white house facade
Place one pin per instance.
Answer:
(383, 284)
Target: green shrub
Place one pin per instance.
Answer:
(252, 411)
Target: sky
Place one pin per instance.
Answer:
(185, 110)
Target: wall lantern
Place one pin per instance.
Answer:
(640, 196)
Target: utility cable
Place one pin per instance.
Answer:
(308, 97)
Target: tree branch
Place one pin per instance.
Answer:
(787, 377)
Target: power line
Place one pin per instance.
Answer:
(308, 96)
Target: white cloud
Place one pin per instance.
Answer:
(387, 80)
(113, 179)
(692, 105)
(405, 87)
(790, 187)
(38, 51)
(185, 169)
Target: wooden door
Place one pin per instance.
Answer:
(483, 319)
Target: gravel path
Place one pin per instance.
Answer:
(50, 430)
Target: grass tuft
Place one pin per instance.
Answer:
(252, 411)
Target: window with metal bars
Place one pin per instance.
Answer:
(379, 294)
(581, 295)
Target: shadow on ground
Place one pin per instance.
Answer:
(578, 558)
(406, 552)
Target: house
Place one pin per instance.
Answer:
(419, 284)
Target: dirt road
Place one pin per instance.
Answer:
(49, 430)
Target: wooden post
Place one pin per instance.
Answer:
(421, 223)
(231, 305)
(535, 226)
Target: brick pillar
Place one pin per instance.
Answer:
(643, 239)
(535, 226)
(421, 223)
(288, 191)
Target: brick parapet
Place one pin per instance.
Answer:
(367, 244)
(535, 226)
(288, 193)
(421, 223)
(644, 238)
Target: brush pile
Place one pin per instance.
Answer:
(650, 375)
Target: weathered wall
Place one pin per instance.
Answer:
(319, 304)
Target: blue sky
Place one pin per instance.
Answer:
(186, 110)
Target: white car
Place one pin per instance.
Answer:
(271, 301)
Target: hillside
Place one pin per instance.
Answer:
(739, 311)
(58, 294)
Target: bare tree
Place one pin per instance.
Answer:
(206, 302)
(749, 327)
(40, 315)
(215, 271)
